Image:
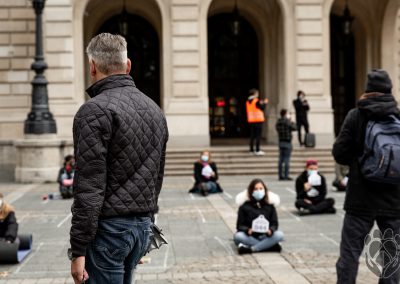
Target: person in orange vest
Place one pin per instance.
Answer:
(255, 117)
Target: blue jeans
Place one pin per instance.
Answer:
(258, 244)
(211, 187)
(118, 246)
(285, 150)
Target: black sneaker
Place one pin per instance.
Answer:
(331, 210)
(243, 249)
(275, 248)
(304, 212)
(288, 178)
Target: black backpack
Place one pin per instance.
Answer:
(380, 161)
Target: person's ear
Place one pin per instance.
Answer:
(92, 66)
(128, 66)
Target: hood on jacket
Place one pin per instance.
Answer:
(378, 105)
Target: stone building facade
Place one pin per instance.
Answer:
(282, 46)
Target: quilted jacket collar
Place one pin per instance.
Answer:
(110, 82)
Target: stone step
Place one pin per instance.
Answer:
(245, 160)
(236, 160)
(257, 171)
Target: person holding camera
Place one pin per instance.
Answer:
(302, 107)
(285, 126)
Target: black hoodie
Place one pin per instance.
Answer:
(366, 197)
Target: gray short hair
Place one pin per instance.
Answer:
(109, 52)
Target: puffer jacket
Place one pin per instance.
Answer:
(365, 197)
(250, 210)
(120, 138)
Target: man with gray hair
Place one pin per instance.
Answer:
(120, 138)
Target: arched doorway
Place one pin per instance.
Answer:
(233, 69)
(342, 71)
(354, 51)
(143, 50)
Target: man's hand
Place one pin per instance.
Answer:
(269, 233)
(250, 232)
(78, 271)
(265, 101)
(307, 201)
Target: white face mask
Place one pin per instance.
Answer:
(204, 158)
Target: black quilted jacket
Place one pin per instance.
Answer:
(120, 138)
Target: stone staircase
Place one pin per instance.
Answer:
(236, 160)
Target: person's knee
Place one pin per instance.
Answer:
(238, 237)
(278, 235)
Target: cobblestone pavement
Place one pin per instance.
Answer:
(199, 232)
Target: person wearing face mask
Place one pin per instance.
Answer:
(205, 175)
(8, 222)
(302, 107)
(257, 223)
(311, 191)
(66, 177)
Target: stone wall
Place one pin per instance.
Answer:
(17, 49)
(17, 39)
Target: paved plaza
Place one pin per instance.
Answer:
(199, 230)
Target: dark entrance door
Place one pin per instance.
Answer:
(143, 50)
(232, 71)
(342, 71)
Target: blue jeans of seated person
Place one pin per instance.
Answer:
(211, 187)
(118, 246)
(258, 244)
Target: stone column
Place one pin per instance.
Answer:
(313, 66)
(187, 108)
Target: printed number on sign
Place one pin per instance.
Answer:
(260, 225)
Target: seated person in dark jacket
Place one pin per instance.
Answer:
(311, 191)
(257, 223)
(8, 222)
(205, 175)
(66, 177)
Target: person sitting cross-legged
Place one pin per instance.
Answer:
(311, 191)
(205, 175)
(257, 223)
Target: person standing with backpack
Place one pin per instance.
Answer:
(371, 195)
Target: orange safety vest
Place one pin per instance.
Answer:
(254, 114)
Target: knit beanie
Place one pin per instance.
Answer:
(378, 81)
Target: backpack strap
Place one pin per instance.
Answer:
(361, 126)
